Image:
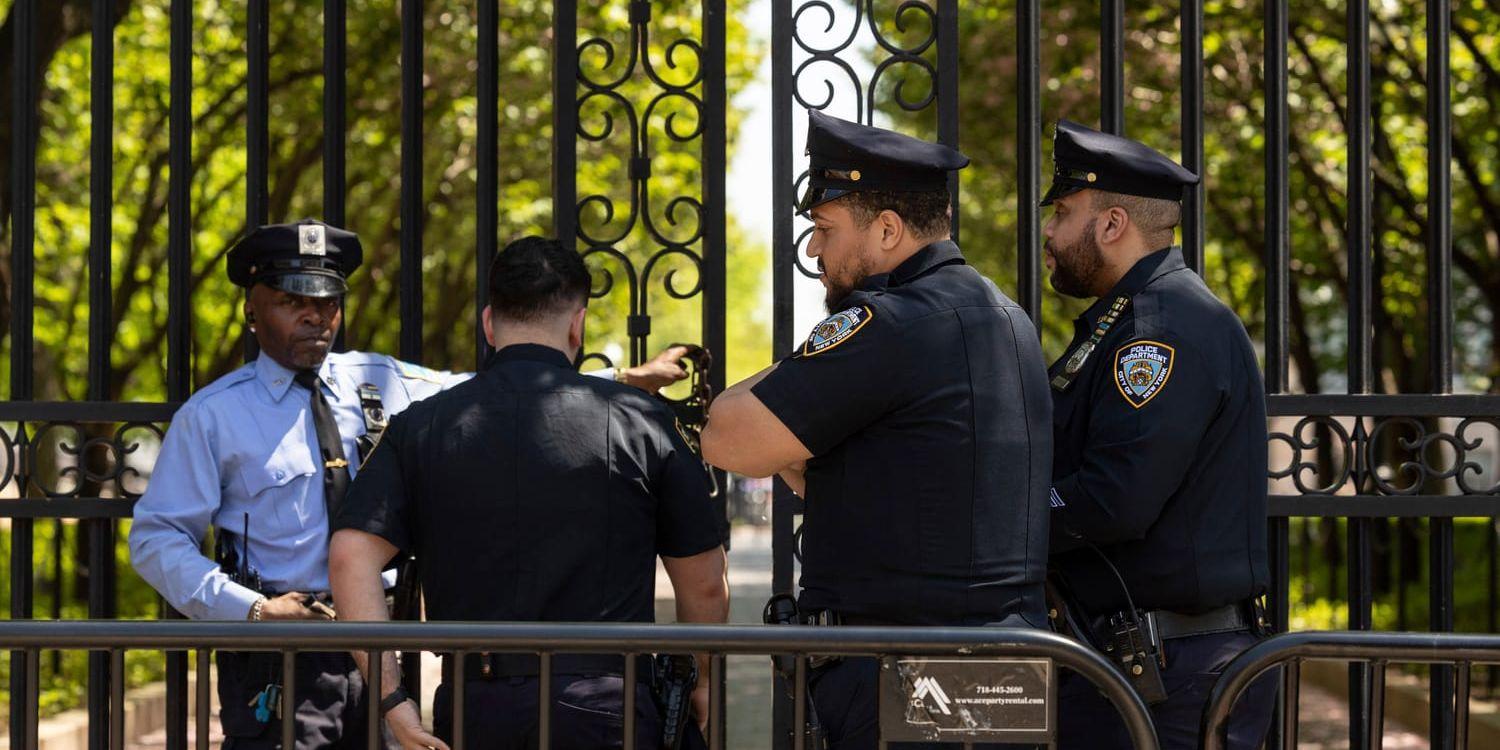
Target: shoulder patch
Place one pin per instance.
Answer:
(1142, 369)
(836, 329)
(417, 372)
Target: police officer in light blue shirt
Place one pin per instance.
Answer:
(262, 455)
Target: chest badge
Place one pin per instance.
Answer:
(1142, 369)
(836, 329)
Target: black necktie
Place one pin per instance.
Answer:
(330, 444)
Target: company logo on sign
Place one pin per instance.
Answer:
(928, 687)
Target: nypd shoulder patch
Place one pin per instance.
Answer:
(1142, 369)
(836, 329)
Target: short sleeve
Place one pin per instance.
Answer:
(688, 521)
(1147, 418)
(378, 502)
(839, 381)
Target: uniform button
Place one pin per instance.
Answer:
(280, 474)
(277, 381)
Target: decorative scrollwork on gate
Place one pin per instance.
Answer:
(637, 103)
(76, 459)
(826, 59)
(1386, 455)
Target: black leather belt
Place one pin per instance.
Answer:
(488, 666)
(829, 617)
(1229, 618)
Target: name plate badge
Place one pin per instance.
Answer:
(924, 699)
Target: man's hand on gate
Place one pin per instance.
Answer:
(406, 724)
(288, 606)
(661, 371)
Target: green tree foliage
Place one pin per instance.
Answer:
(1235, 152)
(449, 190)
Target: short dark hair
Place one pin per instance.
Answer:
(535, 278)
(925, 212)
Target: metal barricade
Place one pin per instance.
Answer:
(545, 640)
(1376, 650)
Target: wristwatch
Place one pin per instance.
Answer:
(396, 698)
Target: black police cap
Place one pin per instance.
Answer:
(307, 257)
(1088, 159)
(845, 157)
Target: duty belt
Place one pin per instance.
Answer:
(488, 666)
(1168, 625)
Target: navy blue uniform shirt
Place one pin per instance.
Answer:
(1161, 448)
(535, 493)
(924, 403)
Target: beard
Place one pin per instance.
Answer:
(1077, 266)
(841, 286)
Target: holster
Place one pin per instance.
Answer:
(781, 609)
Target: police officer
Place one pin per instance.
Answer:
(1159, 478)
(260, 455)
(913, 420)
(532, 493)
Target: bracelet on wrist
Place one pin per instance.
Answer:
(256, 609)
(620, 375)
(396, 698)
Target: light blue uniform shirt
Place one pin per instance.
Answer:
(246, 444)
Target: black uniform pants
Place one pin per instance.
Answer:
(846, 695)
(586, 713)
(1088, 721)
(330, 701)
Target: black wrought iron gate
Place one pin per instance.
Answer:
(1425, 481)
(639, 245)
(658, 245)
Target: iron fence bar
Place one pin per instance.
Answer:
(1360, 646)
(294, 637)
(117, 699)
(100, 590)
(1382, 506)
(565, 120)
(201, 710)
(1291, 687)
(783, 270)
(411, 208)
(335, 114)
(1277, 266)
(101, 195)
(100, 531)
(1440, 340)
(799, 702)
(716, 692)
(627, 707)
(66, 507)
(86, 411)
(1192, 132)
(257, 109)
(288, 698)
(715, 204)
(1360, 365)
(23, 682)
(1383, 405)
(947, 92)
(544, 701)
(1375, 729)
(31, 704)
(1029, 157)
(180, 204)
(459, 695)
(487, 213)
(1461, 707)
(376, 671)
(1112, 66)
